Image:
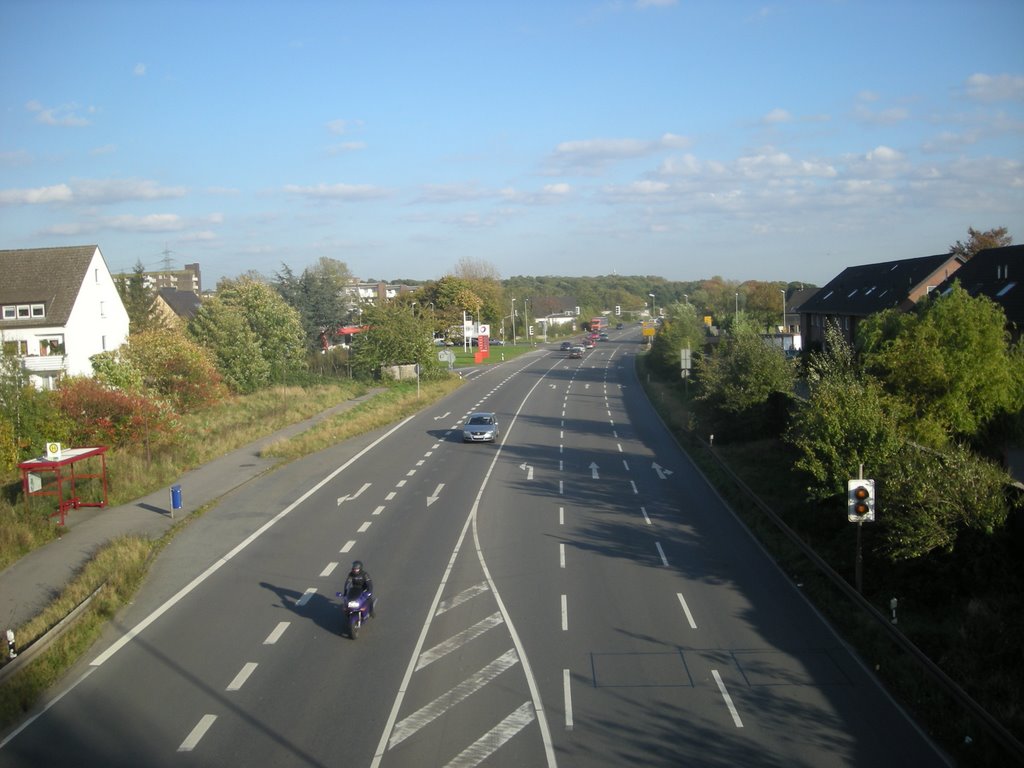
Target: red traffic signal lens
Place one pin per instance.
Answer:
(861, 493)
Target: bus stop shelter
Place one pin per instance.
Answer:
(61, 477)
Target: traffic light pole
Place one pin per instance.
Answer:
(859, 564)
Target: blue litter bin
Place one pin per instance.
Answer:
(175, 497)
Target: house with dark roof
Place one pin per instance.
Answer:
(860, 291)
(58, 308)
(175, 306)
(997, 274)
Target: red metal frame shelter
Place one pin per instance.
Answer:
(65, 474)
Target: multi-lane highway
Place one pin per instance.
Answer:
(574, 595)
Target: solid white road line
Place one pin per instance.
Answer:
(728, 699)
(686, 610)
(242, 676)
(427, 714)
(568, 699)
(489, 743)
(197, 733)
(274, 636)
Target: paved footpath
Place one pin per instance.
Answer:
(34, 581)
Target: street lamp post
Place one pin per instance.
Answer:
(654, 307)
(783, 292)
(526, 320)
(737, 307)
(513, 321)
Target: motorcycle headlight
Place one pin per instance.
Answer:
(353, 604)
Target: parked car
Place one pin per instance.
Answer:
(480, 428)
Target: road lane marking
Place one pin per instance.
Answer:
(561, 515)
(625, 465)
(378, 510)
(633, 483)
(661, 552)
(197, 733)
(242, 676)
(568, 699)
(728, 699)
(181, 593)
(427, 714)
(644, 510)
(455, 641)
(328, 570)
(561, 555)
(348, 546)
(274, 636)
(390, 496)
(467, 594)
(491, 741)
(306, 597)
(565, 613)
(686, 610)
(363, 528)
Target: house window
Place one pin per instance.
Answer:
(10, 311)
(38, 310)
(16, 347)
(103, 343)
(24, 311)
(103, 310)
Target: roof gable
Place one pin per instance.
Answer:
(868, 288)
(998, 274)
(53, 276)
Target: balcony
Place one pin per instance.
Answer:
(43, 363)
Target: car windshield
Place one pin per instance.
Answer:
(480, 420)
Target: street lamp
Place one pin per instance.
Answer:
(654, 308)
(513, 321)
(526, 320)
(783, 292)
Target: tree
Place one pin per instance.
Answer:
(394, 336)
(949, 361)
(928, 498)
(176, 368)
(223, 330)
(28, 417)
(319, 294)
(276, 325)
(681, 329)
(139, 300)
(979, 241)
(743, 371)
(845, 423)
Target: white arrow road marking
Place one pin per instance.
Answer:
(457, 641)
(197, 733)
(446, 701)
(593, 471)
(529, 470)
(437, 494)
(445, 416)
(491, 741)
(662, 472)
(355, 495)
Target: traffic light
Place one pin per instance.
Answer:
(618, 310)
(860, 501)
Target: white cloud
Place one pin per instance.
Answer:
(593, 154)
(139, 70)
(884, 155)
(341, 127)
(105, 191)
(656, 3)
(65, 116)
(988, 88)
(347, 192)
(345, 147)
(59, 193)
(777, 115)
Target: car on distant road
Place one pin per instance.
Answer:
(566, 346)
(618, 326)
(480, 428)
(602, 336)
(576, 353)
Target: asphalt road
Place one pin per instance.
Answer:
(575, 595)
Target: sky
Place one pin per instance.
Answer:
(673, 138)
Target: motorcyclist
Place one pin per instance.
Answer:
(358, 579)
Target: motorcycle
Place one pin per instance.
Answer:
(356, 608)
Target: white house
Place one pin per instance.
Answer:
(58, 308)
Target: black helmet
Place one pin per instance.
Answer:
(357, 566)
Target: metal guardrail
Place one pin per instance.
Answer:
(996, 729)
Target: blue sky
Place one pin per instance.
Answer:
(763, 141)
